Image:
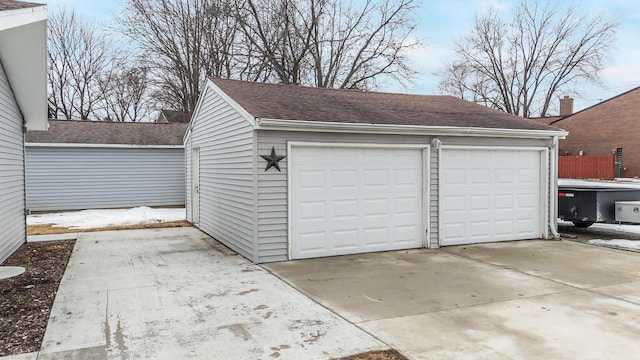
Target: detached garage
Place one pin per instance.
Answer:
(279, 172)
(96, 165)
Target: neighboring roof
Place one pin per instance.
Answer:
(173, 116)
(15, 5)
(292, 102)
(628, 99)
(548, 120)
(101, 132)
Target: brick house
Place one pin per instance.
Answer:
(605, 128)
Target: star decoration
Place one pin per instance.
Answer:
(272, 160)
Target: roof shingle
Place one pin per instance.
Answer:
(291, 102)
(15, 5)
(100, 132)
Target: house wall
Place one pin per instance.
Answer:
(12, 201)
(72, 178)
(272, 185)
(226, 142)
(602, 128)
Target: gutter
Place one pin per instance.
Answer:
(121, 146)
(320, 126)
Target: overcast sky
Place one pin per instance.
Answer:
(441, 22)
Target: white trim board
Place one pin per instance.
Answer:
(319, 126)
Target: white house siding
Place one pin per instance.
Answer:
(225, 140)
(272, 185)
(12, 202)
(71, 178)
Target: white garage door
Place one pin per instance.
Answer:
(489, 195)
(347, 200)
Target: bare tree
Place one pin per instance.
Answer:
(79, 56)
(183, 41)
(325, 43)
(126, 95)
(520, 65)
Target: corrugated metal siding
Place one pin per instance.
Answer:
(225, 140)
(272, 185)
(70, 178)
(12, 220)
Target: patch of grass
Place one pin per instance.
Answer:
(45, 229)
(377, 355)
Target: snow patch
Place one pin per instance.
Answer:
(621, 243)
(88, 219)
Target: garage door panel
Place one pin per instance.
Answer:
(372, 200)
(489, 195)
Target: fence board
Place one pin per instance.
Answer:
(587, 167)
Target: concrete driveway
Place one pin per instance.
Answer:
(515, 300)
(176, 294)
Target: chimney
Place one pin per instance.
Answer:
(566, 106)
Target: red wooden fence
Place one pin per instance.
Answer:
(586, 167)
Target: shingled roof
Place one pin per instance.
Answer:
(15, 5)
(173, 116)
(100, 132)
(291, 102)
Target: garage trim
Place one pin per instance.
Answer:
(544, 181)
(425, 179)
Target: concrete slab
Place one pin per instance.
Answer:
(381, 285)
(567, 262)
(570, 325)
(52, 237)
(516, 300)
(26, 356)
(176, 293)
(628, 292)
(7, 272)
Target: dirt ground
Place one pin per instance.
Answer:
(26, 300)
(45, 229)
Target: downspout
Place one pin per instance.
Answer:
(553, 221)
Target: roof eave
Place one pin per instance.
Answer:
(23, 53)
(319, 126)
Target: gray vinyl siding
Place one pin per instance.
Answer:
(12, 202)
(227, 172)
(272, 185)
(73, 178)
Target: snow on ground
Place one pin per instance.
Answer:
(621, 243)
(88, 219)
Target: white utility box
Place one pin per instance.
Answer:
(628, 211)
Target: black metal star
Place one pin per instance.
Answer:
(272, 160)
